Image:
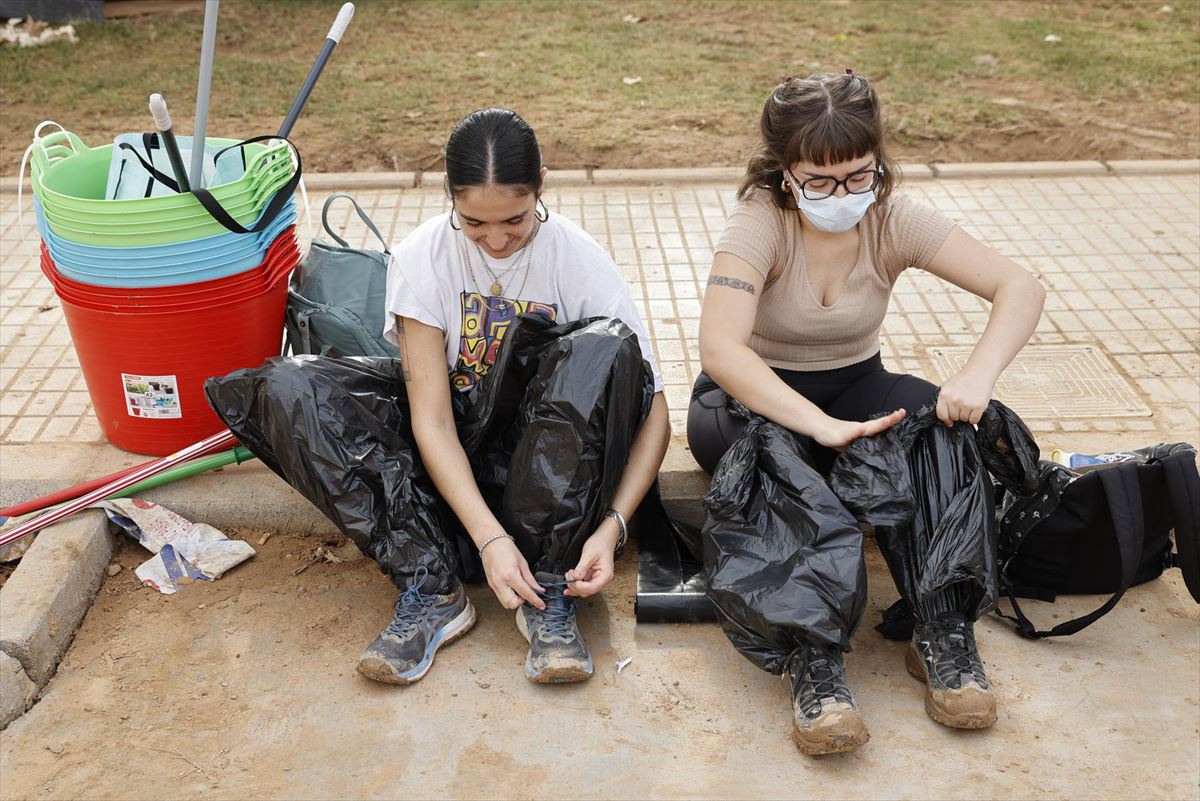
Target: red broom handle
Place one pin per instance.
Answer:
(67, 493)
(216, 442)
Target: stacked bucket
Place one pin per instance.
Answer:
(157, 294)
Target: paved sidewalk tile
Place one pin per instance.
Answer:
(1116, 356)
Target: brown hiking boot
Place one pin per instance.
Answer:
(825, 717)
(943, 654)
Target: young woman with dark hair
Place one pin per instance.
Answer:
(789, 327)
(456, 286)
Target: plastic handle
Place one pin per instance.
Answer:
(158, 110)
(342, 22)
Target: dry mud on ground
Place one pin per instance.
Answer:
(245, 688)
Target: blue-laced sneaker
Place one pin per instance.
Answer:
(557, 652)
(423, 623)
(943, 654)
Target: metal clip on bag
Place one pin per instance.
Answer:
(336, 301)
(1100, 531)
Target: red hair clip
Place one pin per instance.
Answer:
(849, 71)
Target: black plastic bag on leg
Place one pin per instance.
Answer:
(577, 424)
(338, 431)
(783, 556)
(926, 489)
(550, 429)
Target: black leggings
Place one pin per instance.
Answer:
(857, 392)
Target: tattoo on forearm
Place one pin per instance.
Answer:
(732, 283)
(403, 350)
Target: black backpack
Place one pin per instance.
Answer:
(1099, 530)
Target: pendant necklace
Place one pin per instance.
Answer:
(497, 288)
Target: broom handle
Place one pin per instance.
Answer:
(331, 40)
(216, 442)
(208, 46)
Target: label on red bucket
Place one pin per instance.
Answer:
(153, 396)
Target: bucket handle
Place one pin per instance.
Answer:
(213, 206)
(42, 160)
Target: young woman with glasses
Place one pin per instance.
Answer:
(790, 326)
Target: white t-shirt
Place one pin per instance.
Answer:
(569, 276)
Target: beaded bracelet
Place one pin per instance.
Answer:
(492, 539)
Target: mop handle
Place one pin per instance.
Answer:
(216, 442)
(335, 35)
(162, 121)
(208, 46)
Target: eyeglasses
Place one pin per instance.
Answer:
(856, 183)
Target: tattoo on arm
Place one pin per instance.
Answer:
(732, 283)
(403, 350)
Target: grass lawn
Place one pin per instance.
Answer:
(960, 80)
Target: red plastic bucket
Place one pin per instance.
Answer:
(145, 370)
(141, 306)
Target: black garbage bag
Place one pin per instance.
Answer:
(782, 555)
(567, 400)
(926, 490)
(550, 428)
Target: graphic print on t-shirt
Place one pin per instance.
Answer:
(485, 322)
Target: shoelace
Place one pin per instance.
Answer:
(957, 653)
(411, 605)
(826, 678)
(559, 617)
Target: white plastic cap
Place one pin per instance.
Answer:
(341, 23)
(158, 109)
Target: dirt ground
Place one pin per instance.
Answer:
(245, 688)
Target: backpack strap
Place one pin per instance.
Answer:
(1124, 494)
(362, 215)
(1183, 486)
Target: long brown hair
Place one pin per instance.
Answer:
(823, 119)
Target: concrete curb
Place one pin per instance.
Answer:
(1154, 166)
(1017, 169)
(17, 692)
(251, 496)
(330, 181)
(44, 601)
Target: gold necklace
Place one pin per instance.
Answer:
(496, 288)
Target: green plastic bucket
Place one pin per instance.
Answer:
(70, 177)
(275, 175)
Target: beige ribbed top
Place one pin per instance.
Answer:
(793, 330)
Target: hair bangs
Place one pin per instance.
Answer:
(833, 139)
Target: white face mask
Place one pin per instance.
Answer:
(833, 214)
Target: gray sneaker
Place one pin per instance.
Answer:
(557, 652)
(423, 623)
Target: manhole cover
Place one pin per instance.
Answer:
(1055, 381)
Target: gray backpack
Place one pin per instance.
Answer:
(337, 295)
